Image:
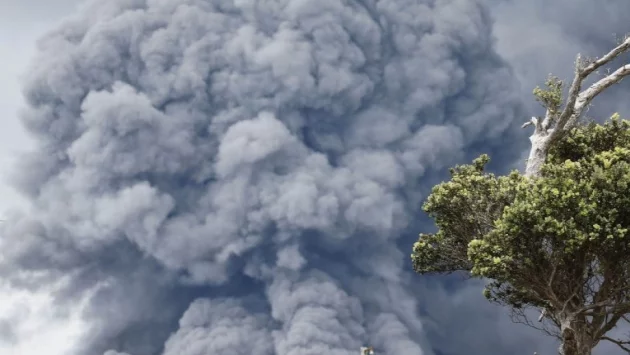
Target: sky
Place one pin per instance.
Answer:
(244, 177)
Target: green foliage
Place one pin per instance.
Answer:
(551, 97)
(464, 209)
(542, 241)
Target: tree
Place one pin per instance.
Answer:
(557, 237)
(557, 122)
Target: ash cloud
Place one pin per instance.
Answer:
(219, 327)
(240, 177)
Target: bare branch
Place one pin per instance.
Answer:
(552, 279)
(556, 124)
(548, 121)
(622, 344)
(542, 315)
(570, 299)
(576, 101)
(608, 326)
(614, 307)
(534, 121)
(519, 316)
(608, 57)
(585, 98)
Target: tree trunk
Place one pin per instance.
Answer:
(575, 338)
(537, 154)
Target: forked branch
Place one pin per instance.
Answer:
(556, 124)
(577, 101)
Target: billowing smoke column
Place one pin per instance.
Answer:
(232, 176)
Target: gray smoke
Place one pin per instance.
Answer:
(242, 177)
(540, 37)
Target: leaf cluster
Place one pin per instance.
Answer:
(550, 97)
(560, 240)
(464, 209)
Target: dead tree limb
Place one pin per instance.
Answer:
(557, 123)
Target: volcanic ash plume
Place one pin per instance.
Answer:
(232, 176)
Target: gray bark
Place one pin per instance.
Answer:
(537, 154)
(555, 126)
(575, 339)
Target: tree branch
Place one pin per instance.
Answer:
(599, 317)
(614, 307)
(585, 98)
(576, 101)
(620, 343)
(534, 121)
(519, 316)
(555, 126)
